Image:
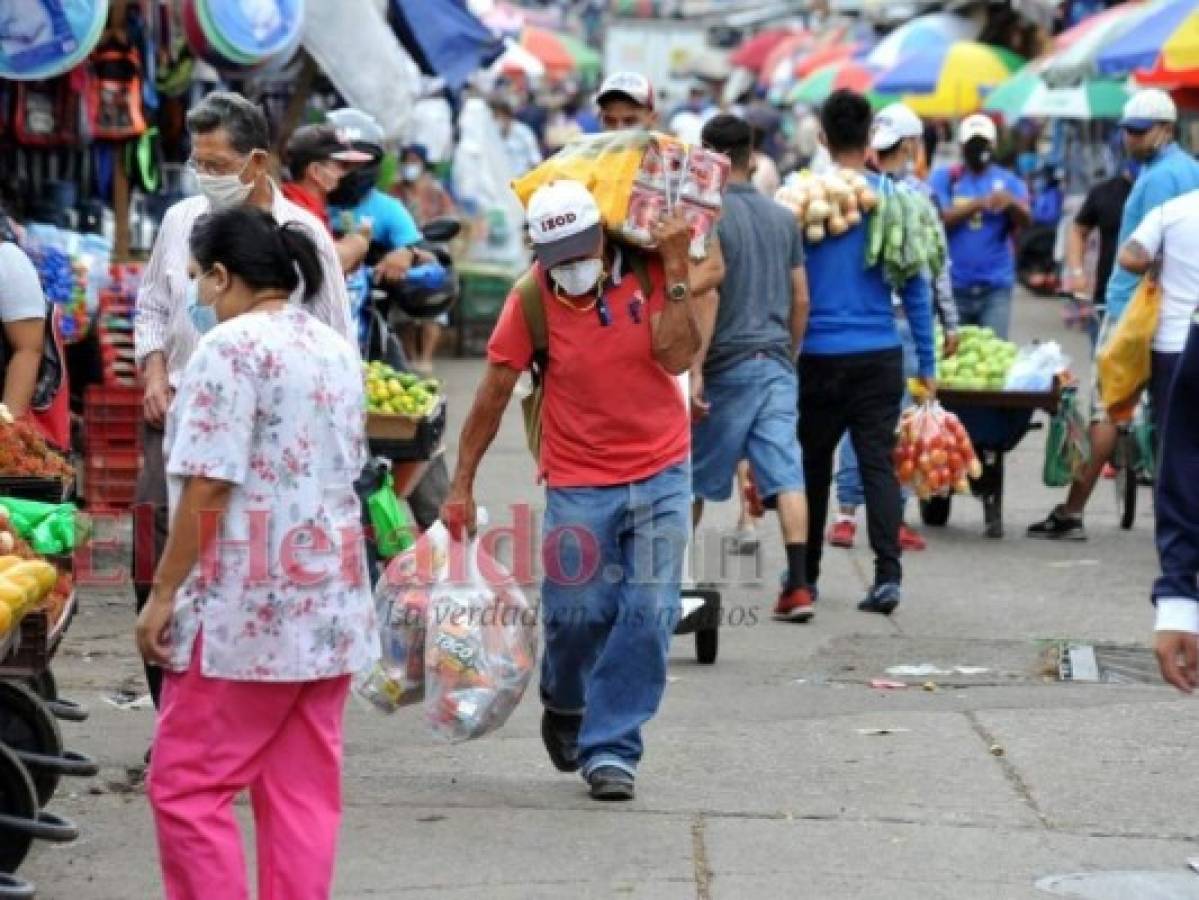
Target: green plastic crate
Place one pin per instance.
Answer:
(484, 290)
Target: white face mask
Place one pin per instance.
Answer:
(412, 171)
(225, 191)
(577, 278)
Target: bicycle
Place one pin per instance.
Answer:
(1133, 460)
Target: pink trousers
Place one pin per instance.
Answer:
(282, 741)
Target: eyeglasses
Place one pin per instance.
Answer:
(222, 168)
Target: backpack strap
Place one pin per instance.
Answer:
(533, 307)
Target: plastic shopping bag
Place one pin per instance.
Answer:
(1035, 367)
(1124, 361)
(389, 519)
(934, 454)
(481, 644)
(402, 611)
(1068, 445)
(48, 527)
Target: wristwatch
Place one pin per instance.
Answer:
(678, 291)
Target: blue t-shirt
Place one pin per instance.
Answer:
(851, 309)
(980, 248)
(1172, 173)
(392, 224)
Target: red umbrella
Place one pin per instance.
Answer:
(822, 56)
(549, 49)
(754, 52)
(790, 46)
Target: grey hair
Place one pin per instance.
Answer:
(242, 120)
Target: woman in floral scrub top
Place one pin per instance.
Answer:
(259, 619)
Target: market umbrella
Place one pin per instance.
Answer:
(753, 53)
(924, 33)
(1026, 96)
(780, 61)
(950, 81)
(517, 61)
(588, 63)
(845, 75)
(1075, 60)
(1165, 36)
(548, 47)
(823, 56)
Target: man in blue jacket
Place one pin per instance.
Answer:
(1167, 172)
(851, 366)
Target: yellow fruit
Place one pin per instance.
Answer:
(28, 584)
(7, 562)
(44, 574)
(11, 596)
(6, 620)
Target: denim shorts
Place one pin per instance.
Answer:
(753, 415)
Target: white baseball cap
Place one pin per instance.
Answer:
(564, 223)
(633, 85)
(978, 125)
(1147, 108)
(893, 124)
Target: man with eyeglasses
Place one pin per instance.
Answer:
(230, 144)
(1149, 122)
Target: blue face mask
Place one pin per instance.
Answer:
(202, 315)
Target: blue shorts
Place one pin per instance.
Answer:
(754, 415)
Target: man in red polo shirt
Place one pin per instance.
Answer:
(614, 447)
(317, 158)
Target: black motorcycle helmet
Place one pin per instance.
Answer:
(363, 133)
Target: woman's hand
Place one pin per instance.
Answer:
(153, 634)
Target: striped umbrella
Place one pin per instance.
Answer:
(1026, 96)
(754, 52)
(1077, 57)
(949, 81)
(922, 34)
(1166, 37)
(845, 75)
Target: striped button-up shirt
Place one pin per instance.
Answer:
(162, 323)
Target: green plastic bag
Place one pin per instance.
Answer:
(1068, 445)
(48, 527)
(393, 531)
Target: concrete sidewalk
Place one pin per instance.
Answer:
(778, 772)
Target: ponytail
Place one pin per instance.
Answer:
(301, 250)
(253, 246)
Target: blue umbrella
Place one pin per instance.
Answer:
(1140, 47)
(449, 42)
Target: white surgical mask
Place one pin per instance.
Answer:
(224, 191)
(412, 171)
(579, 277)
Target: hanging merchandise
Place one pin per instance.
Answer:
(143, 161)
(40, 39)
(116, 92)
(46, 114)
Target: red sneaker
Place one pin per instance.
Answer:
(842, 532)
(910, 539)
(794, 605)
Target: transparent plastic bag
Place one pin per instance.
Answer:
(1068, 444)
(934, 455)
(1035, 367)
(481, 645)
(402, 606)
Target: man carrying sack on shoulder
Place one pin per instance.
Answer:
(605, 328)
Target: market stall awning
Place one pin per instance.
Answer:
(588, 63)
(444, 38)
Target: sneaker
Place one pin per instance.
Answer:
(1058, 526)
(882, 599)
(794, 605)
(911, 539)
(842, 532)
(560, 734)
(1109, 472)
(610, 783)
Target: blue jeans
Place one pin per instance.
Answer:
(990, 307)
(613, 560)
(754, 415)
(849, 479)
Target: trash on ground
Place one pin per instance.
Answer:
(884, 684)
(125, 700)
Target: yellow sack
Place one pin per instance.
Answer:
(1124, 361)
(607, 164)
